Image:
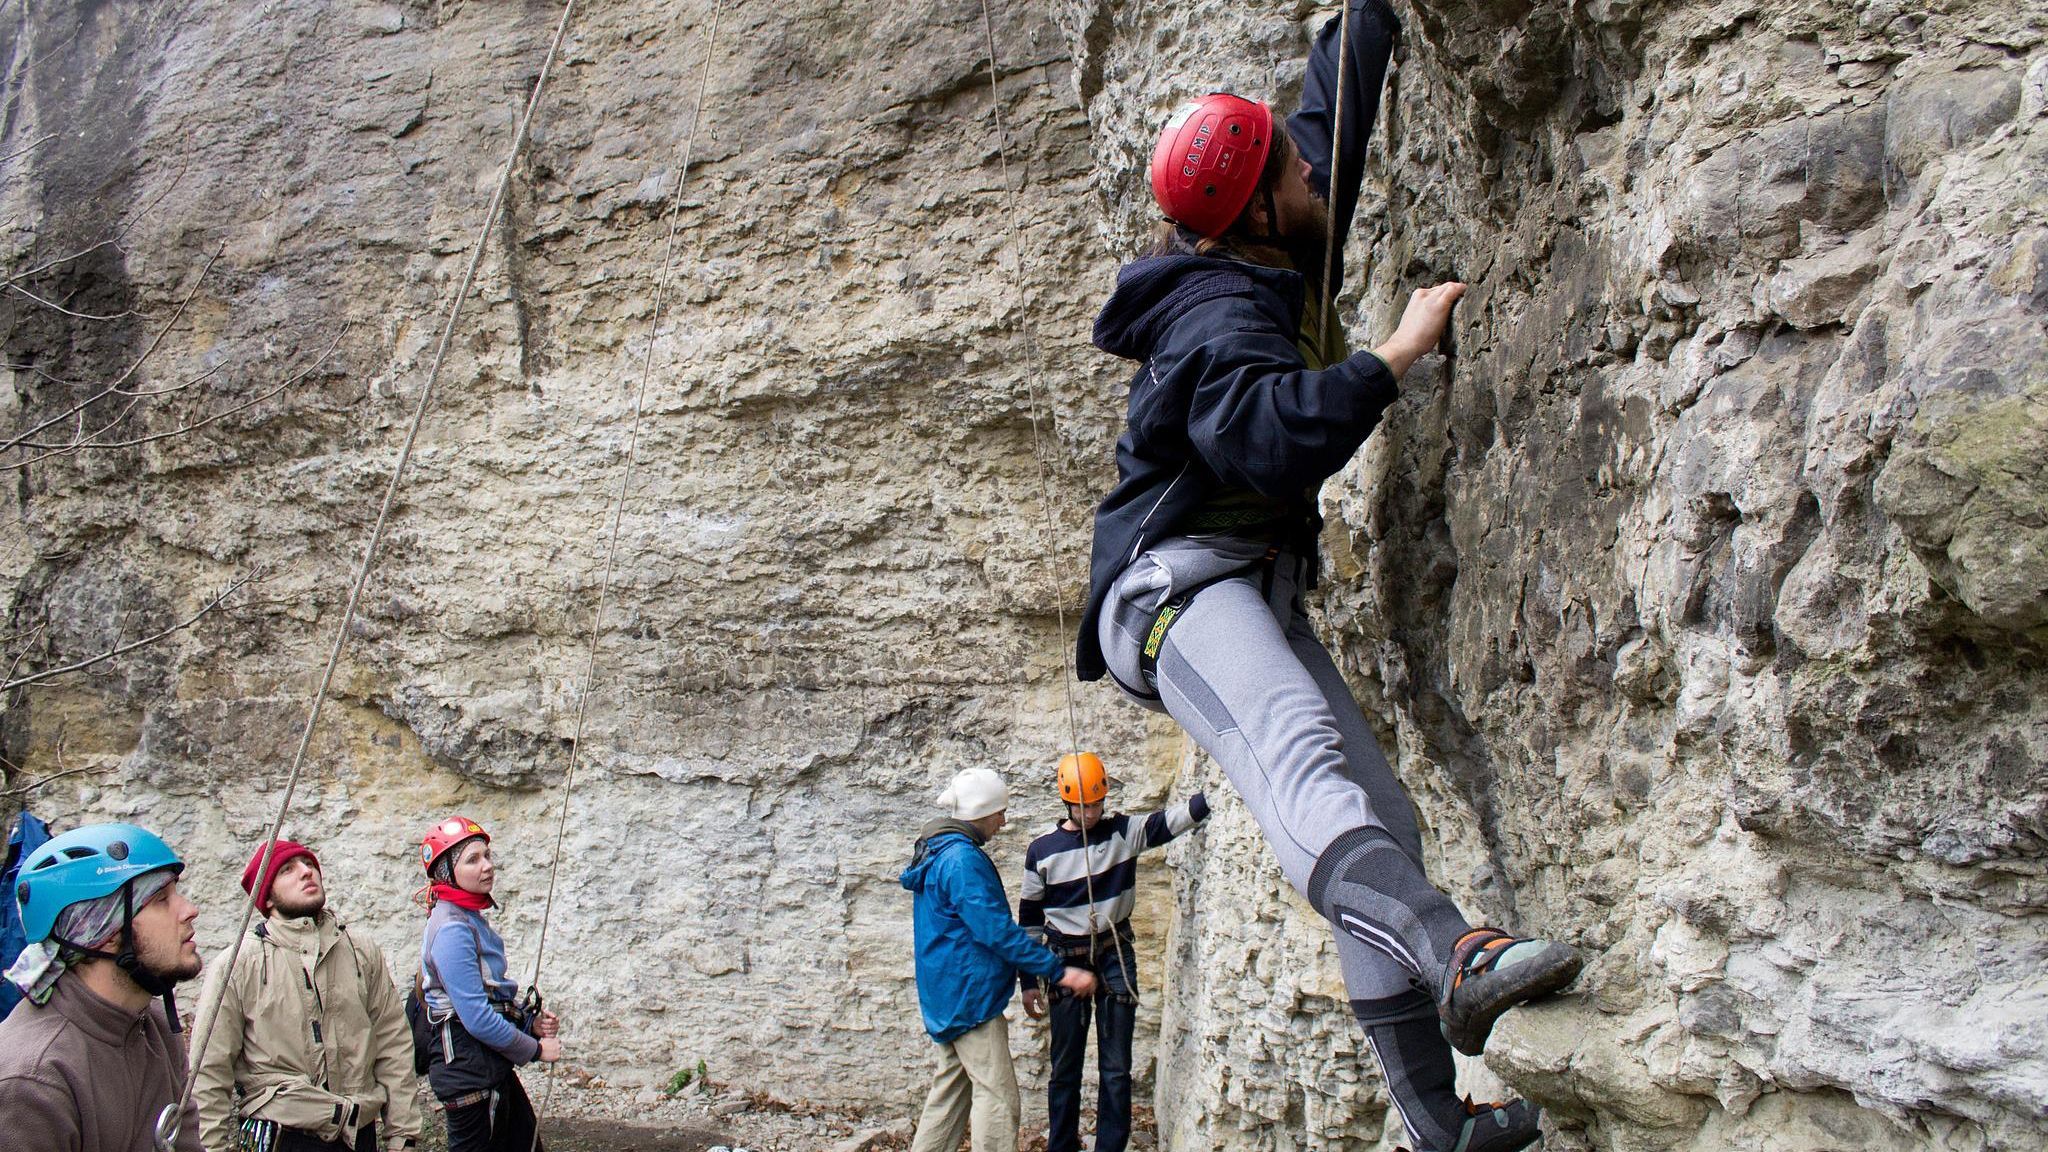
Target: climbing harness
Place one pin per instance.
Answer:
(1075, 948)
(618, 515)
(168, 1121)
(1162, 621)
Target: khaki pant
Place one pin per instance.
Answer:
(976, 1080)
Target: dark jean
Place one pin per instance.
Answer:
(502, 1124)
(1116, 1015)
(292, 1141)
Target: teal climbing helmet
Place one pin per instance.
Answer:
(85, 864)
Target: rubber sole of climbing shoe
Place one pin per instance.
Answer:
(1498, 1128)
(1468, 1015)
(1501, 1128)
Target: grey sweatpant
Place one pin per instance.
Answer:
(1244, 674)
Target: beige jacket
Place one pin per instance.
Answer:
(312, 1031)
(81, 1075)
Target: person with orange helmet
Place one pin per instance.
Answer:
(1080, 886)
(1244, 401)
(468, 1022)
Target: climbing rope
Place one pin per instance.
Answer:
(617, 518)
(1042, 453)
(1336, 160)
(1038, 445)
(168, 1121)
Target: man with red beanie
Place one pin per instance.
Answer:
(312, 1032)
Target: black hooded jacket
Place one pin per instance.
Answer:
(1222, 398)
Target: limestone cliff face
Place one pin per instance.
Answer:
(831, 590)
(1704, 595)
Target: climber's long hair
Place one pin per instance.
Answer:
(1236, 242)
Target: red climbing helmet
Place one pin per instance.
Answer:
(447, 834)
(1208, 159)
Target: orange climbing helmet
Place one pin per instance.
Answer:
(1082, 778)
(446, 835)
(1208, 160)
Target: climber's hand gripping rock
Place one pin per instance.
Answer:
(1422, 326)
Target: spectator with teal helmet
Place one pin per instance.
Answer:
(89, 1062)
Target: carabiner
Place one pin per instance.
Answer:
(167, 1128)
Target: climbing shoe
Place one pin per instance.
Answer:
(1499, 1127)
(1491, 972)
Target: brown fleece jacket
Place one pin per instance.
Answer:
(78, 1074)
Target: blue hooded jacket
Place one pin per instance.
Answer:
(969, 950)
(29, 834)
(1222, 398)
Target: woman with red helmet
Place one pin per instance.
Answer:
(468, 1024)
(1244, 401)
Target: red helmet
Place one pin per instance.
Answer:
(1208, 159)
(447, 834)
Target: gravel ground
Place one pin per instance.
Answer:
(588, 1115)
(591, 1116)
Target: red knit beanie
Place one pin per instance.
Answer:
(285, 852)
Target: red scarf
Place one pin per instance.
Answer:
(463, 897)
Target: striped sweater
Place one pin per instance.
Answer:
(1058, 870)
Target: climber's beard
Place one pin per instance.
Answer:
(1305, 237)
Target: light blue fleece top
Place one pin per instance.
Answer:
(464, 958)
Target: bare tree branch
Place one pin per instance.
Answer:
(102, 394)
(53, 378)
(47, 265)
(56, 753)
(113, 241)
(119, 649)
(29, 147)
(79, 439)
(166, 329)
(51, 304)
(93, 443)
(23, 654)
(32, 785)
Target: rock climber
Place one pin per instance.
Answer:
(311, 1031)
(469, 1023)
(1080, 884)
(91, 1061)
(1202, 551)
(969, 952)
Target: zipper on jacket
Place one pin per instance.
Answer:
(1139, 544)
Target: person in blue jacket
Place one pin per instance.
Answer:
(969, 952)
(27, 835)
(469, 1027)
(1244, 401)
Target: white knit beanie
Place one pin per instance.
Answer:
(974, 793)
